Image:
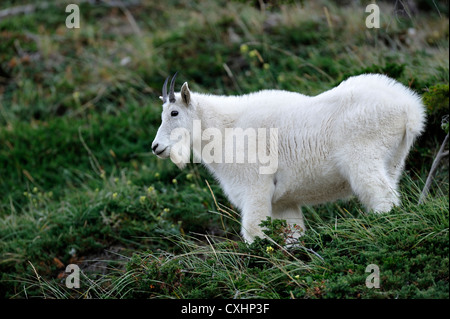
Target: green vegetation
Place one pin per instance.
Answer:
(79, 109)
(408, 245)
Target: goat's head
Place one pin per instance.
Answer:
(172, 137)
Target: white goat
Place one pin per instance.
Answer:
(352, 139)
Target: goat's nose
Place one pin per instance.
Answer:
(154, 147)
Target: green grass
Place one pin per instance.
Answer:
(79, 185)
(409, 245)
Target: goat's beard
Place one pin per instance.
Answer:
(180, 154)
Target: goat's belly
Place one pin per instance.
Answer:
(312, 192)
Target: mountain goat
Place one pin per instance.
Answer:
(352, 139)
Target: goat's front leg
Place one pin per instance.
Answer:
(293, 215)
(256, 208)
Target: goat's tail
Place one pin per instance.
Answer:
(415, 123)
(414, 126)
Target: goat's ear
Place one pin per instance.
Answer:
(161, 98)
(185, 94)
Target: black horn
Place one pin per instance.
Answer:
(171, 89)
(164, 90)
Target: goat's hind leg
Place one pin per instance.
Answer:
(372, 184)
(396, 162)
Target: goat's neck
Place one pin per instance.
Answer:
(214, 112)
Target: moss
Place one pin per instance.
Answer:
(436, 100)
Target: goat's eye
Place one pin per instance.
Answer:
(174, 113)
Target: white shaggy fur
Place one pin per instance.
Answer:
(352, 139)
